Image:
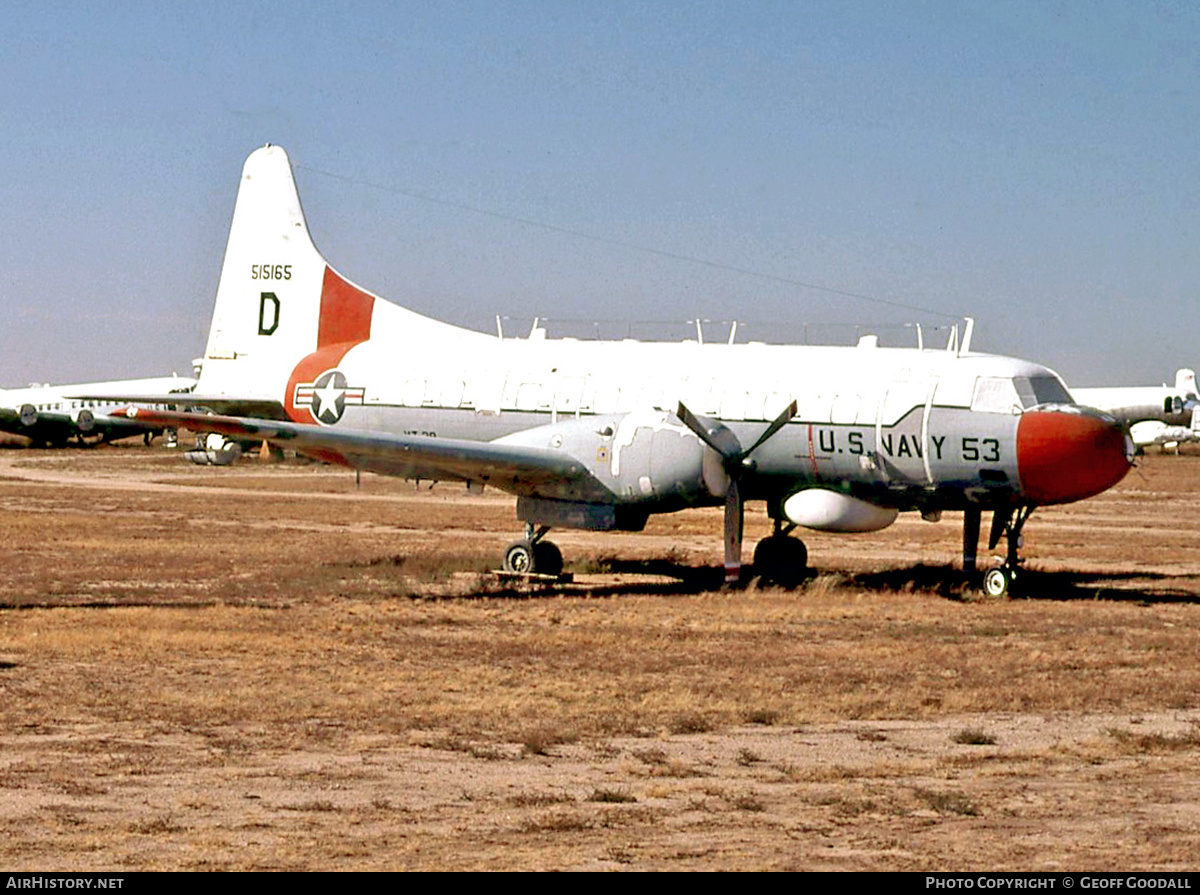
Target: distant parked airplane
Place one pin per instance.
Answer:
(53, 415)
(1153, 414)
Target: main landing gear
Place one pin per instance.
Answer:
(532, 555)
(1008, 522)
(781, 559)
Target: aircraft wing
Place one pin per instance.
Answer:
(519, 470)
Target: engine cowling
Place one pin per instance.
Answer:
(28, 415)
(84, 421)
(824, 510)
(642, 457)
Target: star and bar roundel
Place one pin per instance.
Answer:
(327, 396)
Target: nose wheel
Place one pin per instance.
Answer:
(1001, 581)
(998, 582)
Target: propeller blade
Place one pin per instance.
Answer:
(734, 517)
(732, 457)
(728, 452)
(776, 424)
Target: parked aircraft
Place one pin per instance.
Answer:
(53, 415)
(1153, 414)
(599, 435)
(1133, 404)
(1149, 432)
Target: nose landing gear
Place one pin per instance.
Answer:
(1002, 580)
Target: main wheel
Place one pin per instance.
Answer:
(781, 560)
(519, 558)
(547, 559)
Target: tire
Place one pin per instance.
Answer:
(547, 559)
(781, 560)
(997, 582)
(519, 558)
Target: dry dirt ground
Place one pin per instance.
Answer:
(267, 667)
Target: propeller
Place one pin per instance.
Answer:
(736, 462)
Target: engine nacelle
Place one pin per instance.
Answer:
(84, 420)
(833, 511)
(27, 414)
(644, 457)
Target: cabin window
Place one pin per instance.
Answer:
(529, 395)
(733, 405)
(845, 409)
(452, 393)
(902, 399)
(567, 396)
(413, 394)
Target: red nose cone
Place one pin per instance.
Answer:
(1069, 454)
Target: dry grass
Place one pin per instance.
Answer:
(236, 675)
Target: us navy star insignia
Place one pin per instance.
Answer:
(327, 396)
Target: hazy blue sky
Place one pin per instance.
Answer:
(1031, 164)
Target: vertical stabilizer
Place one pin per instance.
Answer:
(277, 300)
(1185, 382)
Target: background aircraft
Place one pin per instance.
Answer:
(1165, 415)
(599, 435)
(53, 415)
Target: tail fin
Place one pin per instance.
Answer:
(284, 319)
(278, 301)
(1185, 382)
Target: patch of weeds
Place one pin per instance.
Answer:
(825, 583)
(789, 773)
(155, 826)
(620, 855)
(973, 736)
(766, 717)
(748, 803)
(948, 802)
(539, 799)
(651, 756)
(313, 805)
(676, 768)
(871, 736)
(747, 757)
(461, 744)
(853, 807)
(538, 742)
(1154, 742)
(615, 796)
(691, 722)
(557, 823)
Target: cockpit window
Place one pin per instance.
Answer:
(995, 395)
(1036, 390)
